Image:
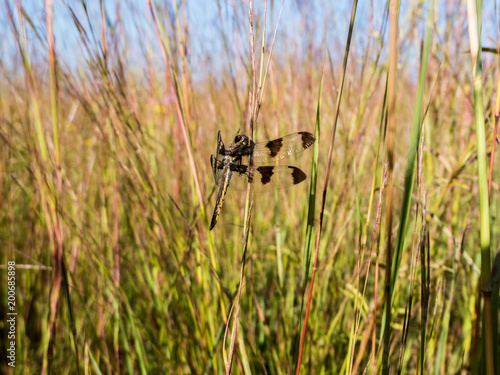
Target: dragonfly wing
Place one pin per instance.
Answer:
(281, 148)
(217, 168)
(266, 178)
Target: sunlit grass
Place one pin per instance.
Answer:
(132, 120)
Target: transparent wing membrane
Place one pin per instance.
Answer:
(281, 148)
(267, 178)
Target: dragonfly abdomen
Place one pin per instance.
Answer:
(221, 196)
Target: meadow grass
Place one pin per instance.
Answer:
(379, 263)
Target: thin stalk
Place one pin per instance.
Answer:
(237, 303)
(311, 206)
(230, 62)
(180, 113)
(248, 202)
(263, 83)
(182, 49)
(474, 22)
(57, 254)
(255, 101)
(391, 120)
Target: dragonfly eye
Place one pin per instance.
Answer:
(242, 139)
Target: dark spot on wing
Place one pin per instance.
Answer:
(242, 170)
(307, 139)
(274, 147)
(297, 175)
(239, 168)
(265, 174)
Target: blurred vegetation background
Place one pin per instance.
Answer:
(107, 194)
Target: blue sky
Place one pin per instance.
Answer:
(205, 25)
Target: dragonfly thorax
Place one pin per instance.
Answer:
(241, 146)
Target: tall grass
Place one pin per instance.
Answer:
(109, 112)
(474, 17)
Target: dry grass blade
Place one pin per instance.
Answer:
(172, 83)
(108, 113)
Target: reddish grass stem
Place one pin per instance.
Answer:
(57, 253)
(327, 178)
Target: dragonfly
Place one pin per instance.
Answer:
(245, 161)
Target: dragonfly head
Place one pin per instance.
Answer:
(240, 142)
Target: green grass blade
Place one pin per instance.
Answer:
(411, 161)
(309, 238)
(475, 25)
